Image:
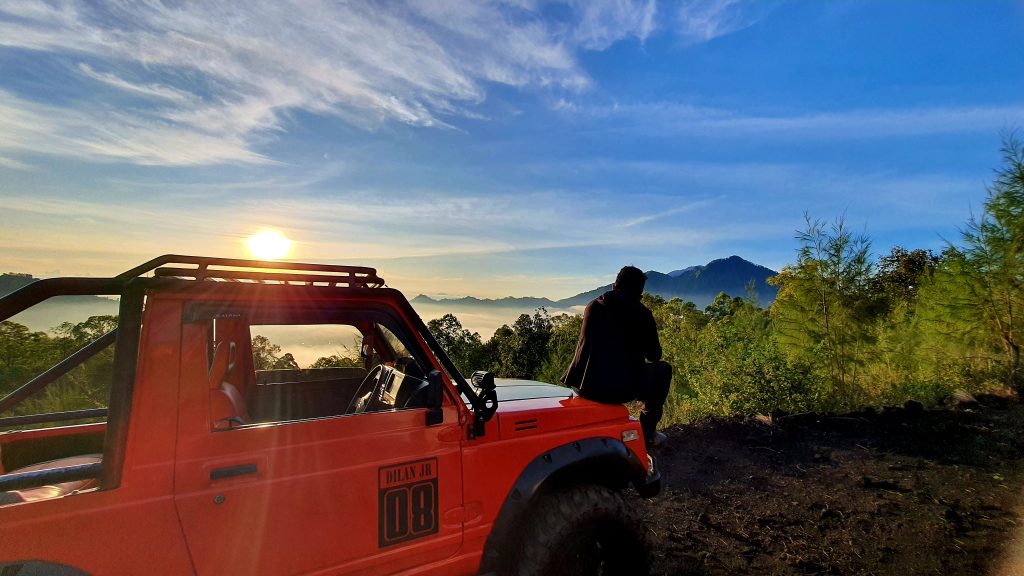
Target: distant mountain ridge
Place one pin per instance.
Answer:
(697, 284)
(506, 302)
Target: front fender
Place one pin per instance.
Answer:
(601, 460)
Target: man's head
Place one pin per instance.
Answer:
(630, 281)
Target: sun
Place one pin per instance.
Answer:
(269, 244)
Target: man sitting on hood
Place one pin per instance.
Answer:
(618, 336)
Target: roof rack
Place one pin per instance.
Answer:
(256, 271)
(214, 269)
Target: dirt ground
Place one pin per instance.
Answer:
(901, 491)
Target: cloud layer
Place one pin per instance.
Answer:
(206, 83)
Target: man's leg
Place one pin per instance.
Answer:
(654, 393)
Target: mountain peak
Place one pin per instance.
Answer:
(731, 260)
(700, 284)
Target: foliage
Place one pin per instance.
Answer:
(265, 354)
(286, 362)
(561, 347)
(519, 351)
(336, 361)
(463, 347)
(25, 354)
(822, 314)
(899, 275)
(994, 258)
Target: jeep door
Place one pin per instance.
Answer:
(274, 476)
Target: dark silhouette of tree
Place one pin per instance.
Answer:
(286, 362)
(264, 353)
(899, 275)
(336, 361)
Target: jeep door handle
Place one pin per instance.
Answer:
(233, 471)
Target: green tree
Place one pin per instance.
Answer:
(561, 347)
(85, 332)
(463, 347)
(285, 362)
(933, 344)
(519, 351)
(23, 355)
(336, 361)
(899, 275)
(822, 313)
(723, 305)
(264, 353)
(994, 258)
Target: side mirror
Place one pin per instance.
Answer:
(434, 397)
(483, 380)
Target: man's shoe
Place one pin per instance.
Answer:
(658, 440)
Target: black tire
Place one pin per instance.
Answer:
(584, 530)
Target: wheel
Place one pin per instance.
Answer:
(584, 530)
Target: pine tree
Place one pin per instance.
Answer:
(822, 314)
(994, 258)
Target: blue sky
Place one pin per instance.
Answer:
(495, 148)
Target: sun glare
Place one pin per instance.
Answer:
(268, 245)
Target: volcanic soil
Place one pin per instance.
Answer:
(899, 491)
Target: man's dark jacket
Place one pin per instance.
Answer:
(618, 333)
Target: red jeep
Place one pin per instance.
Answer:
(379, 459)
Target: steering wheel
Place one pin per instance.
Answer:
(369, 384)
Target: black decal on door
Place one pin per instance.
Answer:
(407, 501)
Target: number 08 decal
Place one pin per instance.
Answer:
(407, 501)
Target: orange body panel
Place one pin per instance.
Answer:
(116, 531)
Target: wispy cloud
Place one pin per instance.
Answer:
(703, 20)
(105, 134)
(148, 90)
(682, 119)
(213, 79)
(644, 219)
(13, 164)
(599, 24)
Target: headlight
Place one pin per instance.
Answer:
(630, 435)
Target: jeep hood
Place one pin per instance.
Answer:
(526, 407)
(509, 389)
